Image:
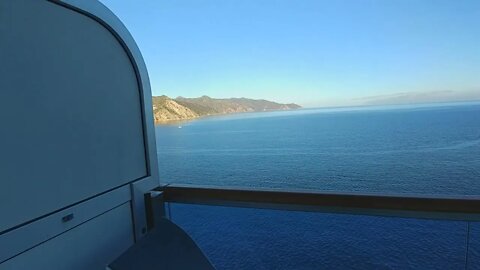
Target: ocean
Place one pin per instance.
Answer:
(429, 149)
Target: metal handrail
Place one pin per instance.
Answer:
(466, 208)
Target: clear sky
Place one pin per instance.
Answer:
(312, 52)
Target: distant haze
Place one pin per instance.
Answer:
(402, 98)
(421, 97)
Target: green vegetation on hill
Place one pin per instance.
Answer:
(166, 109)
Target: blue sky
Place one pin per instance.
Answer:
(315, 53)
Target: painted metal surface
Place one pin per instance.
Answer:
(78, 137)
(72, 126)
(93, 245)
(26, 237)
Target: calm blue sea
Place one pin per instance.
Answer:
(422, 149)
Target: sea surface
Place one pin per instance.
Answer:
(429, 149)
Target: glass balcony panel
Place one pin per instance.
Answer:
(247, 238)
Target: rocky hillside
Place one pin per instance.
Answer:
(166, 109)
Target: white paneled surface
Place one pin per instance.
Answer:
(91, 245)
(25, 237)
(70, 111)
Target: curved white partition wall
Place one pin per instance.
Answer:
(77, 136)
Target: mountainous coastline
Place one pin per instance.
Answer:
(166, 109)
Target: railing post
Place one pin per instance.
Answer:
(155, 208)
(467, 244)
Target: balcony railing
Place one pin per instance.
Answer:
(429, 207)
(466, 208)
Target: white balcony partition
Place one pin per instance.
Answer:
(76, 123)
